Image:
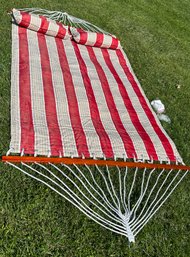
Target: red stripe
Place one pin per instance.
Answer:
(83, 37)
(94, 112)
(99, 39)
(27, 128)
(61, 31)
(115, 43)
(130, 109)
(26, 18)
(128, 143)
(44, 25)
(164, 140)
(79, 134)
(49, 97)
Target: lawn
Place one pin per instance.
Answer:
(34, 221)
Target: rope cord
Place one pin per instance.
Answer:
(66, 19)
(113, 190)
(131, 222)
(107, 186)
(116, 219)
(92, 187)
(112, 198)
(74, 202)
(131, 189)
(150, 216)
(137, 221)
(104, 197)
(72, 194)
(124, 190)
(136, 206)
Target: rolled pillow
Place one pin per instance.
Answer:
(41, 24)
(94, 39)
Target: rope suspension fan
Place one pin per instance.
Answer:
(82, 125)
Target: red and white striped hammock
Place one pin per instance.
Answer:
(75, 101)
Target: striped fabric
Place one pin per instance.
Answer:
(70, 99)
(95, 39)
(41, 24)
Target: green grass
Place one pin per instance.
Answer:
(34, 221)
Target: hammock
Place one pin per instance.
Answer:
(82, 125)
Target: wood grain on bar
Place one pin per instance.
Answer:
(80, 161)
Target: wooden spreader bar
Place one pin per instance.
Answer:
(80, 161)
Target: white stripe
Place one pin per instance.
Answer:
(17, 16)
(138, 108)
(52, 29)
(92, 138)
(123, 113)
(15, 103)
(116, 141)
(91, 38)
(67, 135)
(75, 34)
(35, 23)
(42, 142)
(107, 41)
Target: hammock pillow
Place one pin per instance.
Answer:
(95, 39)
(41, 24)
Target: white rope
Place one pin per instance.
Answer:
(118, 216)
(103, 196)
(107, 186)
(66, 166)
(111, 209)
(77, 204)
(124, 217)
(120, 191)
(131, 189)
(139, 201)
(150, 216)
(141, 193)
(137, 221)
(124, 190)
(113, 189)
(72, 194)
(147, 214)
(131, 221)
(87, 198)
(66, 19)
